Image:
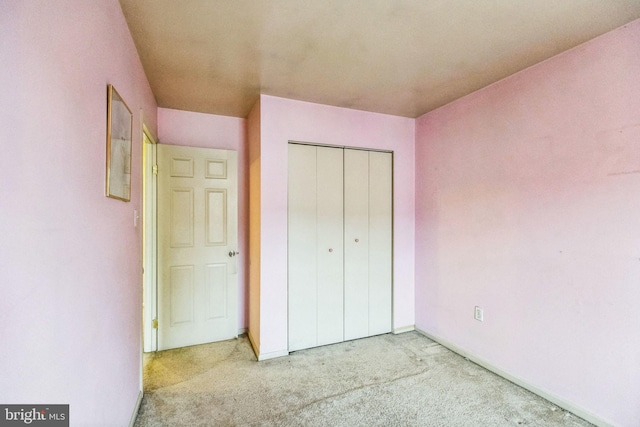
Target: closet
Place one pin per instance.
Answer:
(339, 244)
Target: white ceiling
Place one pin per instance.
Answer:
(401, 57)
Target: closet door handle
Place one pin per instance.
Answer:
(330, 249)
(357, 240)
(233, 253)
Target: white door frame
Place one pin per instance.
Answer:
(150, 248)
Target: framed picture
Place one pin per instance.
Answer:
(119, 130)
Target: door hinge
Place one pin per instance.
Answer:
(155, 323)
(155, 169)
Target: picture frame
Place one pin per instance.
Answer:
(119, 132)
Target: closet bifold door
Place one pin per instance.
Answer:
(380, 242)
(367, 243)
(315, 246)
(356, 244)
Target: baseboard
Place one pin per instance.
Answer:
(272, 355)
(254, 346)
(242, 331)
(282, 353)
(265, 356)
(135, 410)
(571, 407)
(404, 329)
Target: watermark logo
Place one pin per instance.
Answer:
(34, 415)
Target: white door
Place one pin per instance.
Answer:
(380, 242)
(367, 243)
(315, 246)
(356, 244)
(197, 246)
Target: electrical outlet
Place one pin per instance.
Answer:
(478, 313)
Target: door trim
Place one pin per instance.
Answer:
(150, 249)
(344, 147)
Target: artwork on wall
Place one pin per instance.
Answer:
(119, 130)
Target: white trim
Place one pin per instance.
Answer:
(265, 356)
(242, 331)
(145, 129)
(135, 410)
(404, 329)
(149, 299)
(272, 355)
(565, 404)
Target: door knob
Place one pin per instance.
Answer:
(233, 253)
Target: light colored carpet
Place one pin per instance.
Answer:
(388, 380)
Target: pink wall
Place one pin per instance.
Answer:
(70, 258)
(282, 120)
(210, 131)
(527, 204)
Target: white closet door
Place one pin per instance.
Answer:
(368, 243)
(340, 219)
(380, 241)
(303, 264)
(315, 246)
(330, 245)
(356, 244)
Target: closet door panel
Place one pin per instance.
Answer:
(356, 243)
(303, 267)
(380, 242)
(330, 229)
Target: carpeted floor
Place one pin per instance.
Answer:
(388, 380)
